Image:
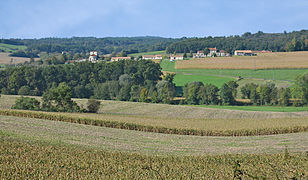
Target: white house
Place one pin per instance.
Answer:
(120, 58)
(212, 51)
(244, 53)
(176, 57)
(200, 54)
(93, 56)
(152, 57)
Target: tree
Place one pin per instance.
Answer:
(24, 90)
(124, 80)
(26, 103)
(124, 94)
(191, 91)
(101, 91)
(301, 86)
(226, 95)
(166, 91)
(284, 96)
(143, 95)
(135, 93)
(93, 105)
(208, 94)
(59, 99)
(233, 86)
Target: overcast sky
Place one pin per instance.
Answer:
(166, 18)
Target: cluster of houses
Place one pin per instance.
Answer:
(213, 52)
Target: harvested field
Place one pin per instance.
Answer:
(145, 142)
(6, 59)
(279, 60)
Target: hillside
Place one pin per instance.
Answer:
(258, 41)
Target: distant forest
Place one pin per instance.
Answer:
(277, 42)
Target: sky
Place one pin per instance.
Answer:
(165, 18)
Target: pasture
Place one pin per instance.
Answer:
(6, 59)
(277, 60)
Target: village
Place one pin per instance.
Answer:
(211, 52)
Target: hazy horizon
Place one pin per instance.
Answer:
(28, 19)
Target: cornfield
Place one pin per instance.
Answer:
(155, 129)
(21, 159)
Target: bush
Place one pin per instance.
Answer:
(93, 105)
(24, 90)
(26, 103)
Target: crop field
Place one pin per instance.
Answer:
(147, 53)
(279, 76)
(11, 48)
(279, 60)
(6, 59)
(172, 119)
(146, 142)
(36, 149)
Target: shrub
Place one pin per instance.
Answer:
(26, 103)
(93, 105)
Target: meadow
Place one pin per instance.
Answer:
(22, 158)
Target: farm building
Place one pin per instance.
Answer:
(222, 53)
(176, 57)
(212, 51)
(152, 57)
(244, 53)
(200, 54)
(93, 56)
(120, 58)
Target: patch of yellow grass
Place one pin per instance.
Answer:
(6, 59)
(279, 60)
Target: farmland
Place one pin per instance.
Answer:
(6, 59)
(32, 159)
(180, 119)
(279, 60)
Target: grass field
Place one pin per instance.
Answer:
(147, 53)
(6, 59)
(11, 48)
(30, 159)
(278, 60)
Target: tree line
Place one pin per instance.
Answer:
(277, 42)
(83, 45)
(141, 81)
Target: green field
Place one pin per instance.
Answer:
(147, 53)
(282, 76)
(11, 48)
